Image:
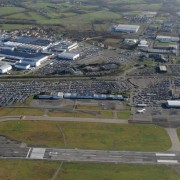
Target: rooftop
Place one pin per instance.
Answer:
(21, 55)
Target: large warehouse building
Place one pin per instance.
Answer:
(126, 28)
(173, 104)
(4, 68)
(68, 56)
(23, 66)
(167, 39)
(34, 59)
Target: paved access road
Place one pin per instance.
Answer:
(82, 155)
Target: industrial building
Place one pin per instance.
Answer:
(126, 28)
(143, 44)
(130, 41)
(50, 95)
(167, 39)
(166, 46)
(10, 61)
(92, 96)
(68, 56)
(172, 104)
(64, 46)
(22, 66)
(34, 59)
(4, 68)
(162, 69)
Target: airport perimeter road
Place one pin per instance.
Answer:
(68, 119)
(80, 155)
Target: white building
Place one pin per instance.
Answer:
(162, 69)
(64, 46)
(23, 66)
(68, 56)
(173, 104)
(130, 41)
(126, 28)
(143, 44)
(167, 39)
(4, 68)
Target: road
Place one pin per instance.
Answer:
(80, 155)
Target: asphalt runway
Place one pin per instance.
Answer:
(82, 155)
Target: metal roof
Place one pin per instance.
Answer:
(173, 103)
(4, 66)
(162, 68)
(31, 40)
(21, 55)
(22, 64)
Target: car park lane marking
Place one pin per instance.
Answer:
(164, 154)
(28, 152)
(168, 161)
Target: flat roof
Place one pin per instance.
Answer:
(4, 66)
(22, 64)
(173, 103)
(21, 55)
(167, 37)
(127, 26)
(162, 68)
(32, 40)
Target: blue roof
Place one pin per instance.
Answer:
(31, 40)
(21, 55)
(22, 64)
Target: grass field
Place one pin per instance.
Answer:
(178, 133)
(124, 114)
(88, 135)
(21, 112)
(10, 10)
(83, 114)
(21, 169)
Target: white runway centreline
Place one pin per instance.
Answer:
(168, 161)
(165, 154)
(28, 152)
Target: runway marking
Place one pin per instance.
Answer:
(38, 153)
(89, 155)
(167, 161)
(28, 152)
(115, 156)
(164, 154)
(65, 154)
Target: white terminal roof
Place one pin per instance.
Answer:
(173, 103)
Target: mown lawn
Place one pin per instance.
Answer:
(88, 135)
(30, 170)
(21, 112)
